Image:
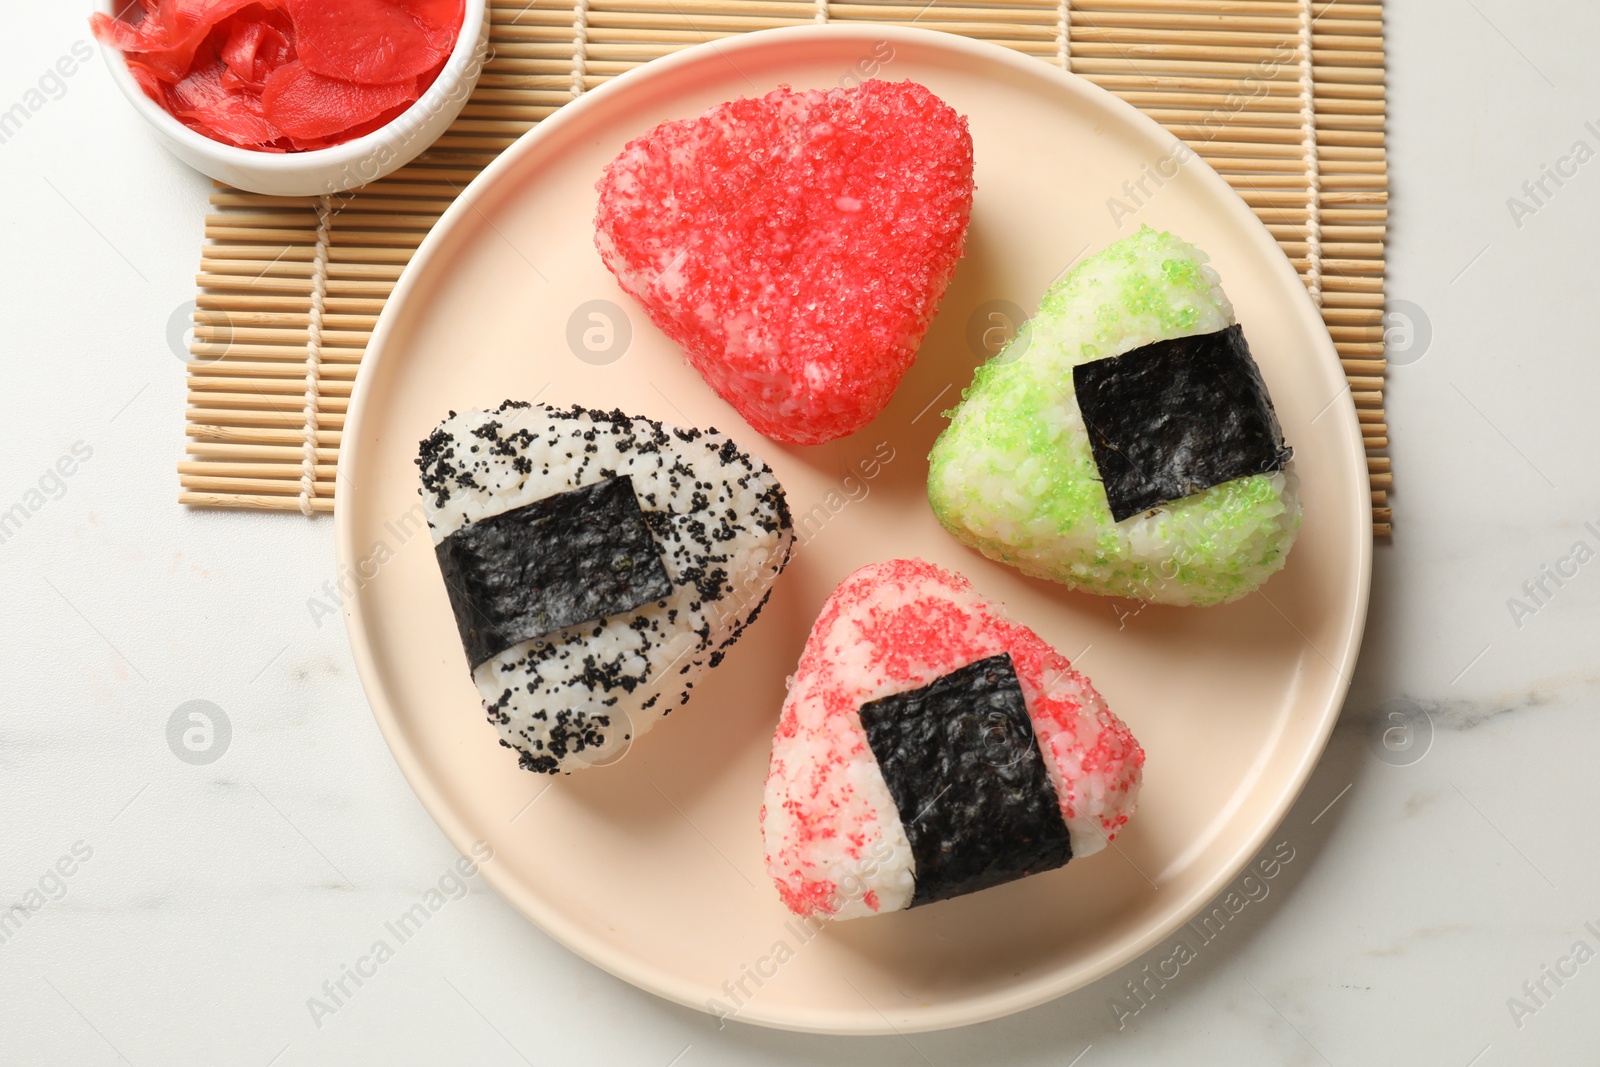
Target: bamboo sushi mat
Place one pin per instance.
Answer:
(1284, 99)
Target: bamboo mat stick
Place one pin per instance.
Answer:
(247, 500)
(272, 453)
(203, 432)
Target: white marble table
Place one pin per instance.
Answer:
(186, 914)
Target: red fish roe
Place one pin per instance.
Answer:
(796, 245)
(284, 75)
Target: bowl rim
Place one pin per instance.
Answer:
(474, 13)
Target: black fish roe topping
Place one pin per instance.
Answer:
(433, 456)
(960, 759)
(1177, 417)
(569, 558)
(538, 765)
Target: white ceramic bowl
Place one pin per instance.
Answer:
(325, 170)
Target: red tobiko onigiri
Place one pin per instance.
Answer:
(795, 245)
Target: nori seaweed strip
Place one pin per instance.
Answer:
(1176, 417)
(573, 557)
(962, 764)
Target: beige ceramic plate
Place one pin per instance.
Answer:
(652, 868)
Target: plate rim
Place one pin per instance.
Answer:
(655, 980)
